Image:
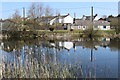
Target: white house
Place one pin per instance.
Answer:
(53, 21)
(66, 45)
(66, 19)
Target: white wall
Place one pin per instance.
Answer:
(53, 21)
(60, 20)
(83, 18)
(96, 18)
(78, 27)
(101, 28)
(67, 45)
(68, 19)
(85, 27)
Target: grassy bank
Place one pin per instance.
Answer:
(80, 33)
(60, 33)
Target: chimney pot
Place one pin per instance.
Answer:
(59, 14)
(68, 14)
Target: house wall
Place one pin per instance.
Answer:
(68, 27)
(85, 27)
(96, 18)
(60, 20)
(74, 27)
(83, 18)
(56, 20)
(67, 45)
(1, 26)
(65, 20)
(77, 27)
(102, 28)
(68, 19)
(53, 21)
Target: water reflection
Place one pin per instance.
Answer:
(79, 57)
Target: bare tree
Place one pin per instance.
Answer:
(57, 12)
(40, 10)
(114, 22)
(90, 32)
(48, 11)
(14, 22)
(16, 15)
(32, 11)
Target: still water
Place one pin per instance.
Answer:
(70, 58)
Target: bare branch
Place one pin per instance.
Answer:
(48, 11)
(16, 15)
(32, 12)
(40, 10)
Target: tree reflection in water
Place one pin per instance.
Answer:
(48, 59)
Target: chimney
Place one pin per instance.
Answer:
(68, 14)
(74, 18)
(96, 15)
(59, 14)
(74, 15)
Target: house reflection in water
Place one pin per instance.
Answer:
(64, 45)
(67, 45)
(31, 58)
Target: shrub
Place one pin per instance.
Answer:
(71, 29)
(51, 28)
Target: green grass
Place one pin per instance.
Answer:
(60, 31)
(75, 31)
(108, 31)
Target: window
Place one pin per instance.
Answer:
(104, 26)
(79, 27)
(84, 26)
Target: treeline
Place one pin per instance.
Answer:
(36, 10)
(114, 22)
(31, 18)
